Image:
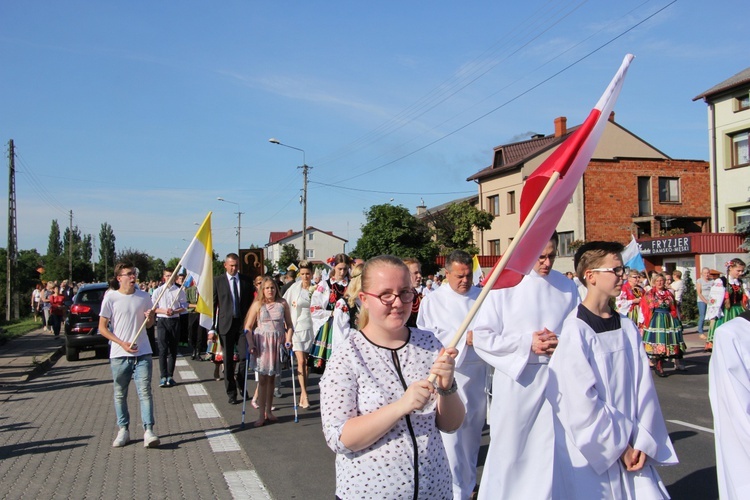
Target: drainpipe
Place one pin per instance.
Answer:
(481, 207)
(715, 183)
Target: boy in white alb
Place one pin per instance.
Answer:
(729, 392)
(609, 429)
(122, 313)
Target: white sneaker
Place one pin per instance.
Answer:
(123, 436)
(150, 440)
(277, 393)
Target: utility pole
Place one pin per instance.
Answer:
(70, 251)
(12, 259)
(305, 169)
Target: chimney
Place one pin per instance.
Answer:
(421, 209)
(561, 127)
(612, 116)
(289, 233)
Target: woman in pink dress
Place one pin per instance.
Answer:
(274, 328)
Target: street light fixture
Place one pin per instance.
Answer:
(305, 169)
(239, 222)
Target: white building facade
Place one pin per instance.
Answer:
(729, 150)
(320, 245)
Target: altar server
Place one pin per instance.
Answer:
(609, 428)
(441, 313)
(515, 331)
(729, 392)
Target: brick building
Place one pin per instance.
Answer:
(625, 196)
(630, 187)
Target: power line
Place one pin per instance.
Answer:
(422, 193)
(516, 97)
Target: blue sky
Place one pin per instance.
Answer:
(141, 114)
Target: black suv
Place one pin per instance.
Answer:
(82, 323)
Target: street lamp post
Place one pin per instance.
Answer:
(305, 169)
(239, 222)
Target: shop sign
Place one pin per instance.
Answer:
(666, 246)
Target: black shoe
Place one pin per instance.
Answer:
(233, 400)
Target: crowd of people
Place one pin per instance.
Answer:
(559, 368)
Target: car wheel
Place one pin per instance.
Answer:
(71, 353)
(102, 353)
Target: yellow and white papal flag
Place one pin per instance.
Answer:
(476, 270)
(198, 263)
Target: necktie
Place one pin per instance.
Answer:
(236, 297)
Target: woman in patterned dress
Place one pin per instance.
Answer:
(380, 414)
(735, 300)
(662, 330)
(628, 303)
(322, 305)
(274, 319)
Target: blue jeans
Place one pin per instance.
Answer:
(124, 370)
(702, 306)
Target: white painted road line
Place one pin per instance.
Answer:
(181, 362)
(188, 375)
(206, 410)
(692, 426)
(245, 484)
(222, 440)
(196, 390)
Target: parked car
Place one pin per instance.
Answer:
(82, 323)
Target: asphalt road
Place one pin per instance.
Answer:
(293, 460)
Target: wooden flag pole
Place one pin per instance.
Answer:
(169, 283)
(501, 265)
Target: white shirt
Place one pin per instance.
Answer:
(126, 314)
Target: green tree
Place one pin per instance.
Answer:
(744, 230)
(289, 255)
(87, 248)
(268, 266)
(393, 230)
(139, 259)
(689, 308)
(455, 225)
(106, 251)
(54, 246)
(26, 278)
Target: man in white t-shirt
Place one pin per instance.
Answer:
(122, 314)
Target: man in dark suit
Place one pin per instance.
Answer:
(233, 294)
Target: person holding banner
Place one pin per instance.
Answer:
(169, 304)
(515, 331)
(122, 313)
(380, 414)
(441, 313)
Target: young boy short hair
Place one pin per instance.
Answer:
(609, 429)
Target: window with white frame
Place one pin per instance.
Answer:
(310, 236)
(740, 152)
(493, 204)
(494, 247)
(563, 247)
(669, 190)
(309, 253)
(742, 102)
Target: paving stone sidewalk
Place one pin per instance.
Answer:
(57, 431)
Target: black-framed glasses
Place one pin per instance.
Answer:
(388, 298)
(618, 271)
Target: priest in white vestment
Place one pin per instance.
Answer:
(729, 392)
(442, 312)
(515, 331)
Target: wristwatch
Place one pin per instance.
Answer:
(447, 392)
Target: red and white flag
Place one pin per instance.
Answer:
(570, 159)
